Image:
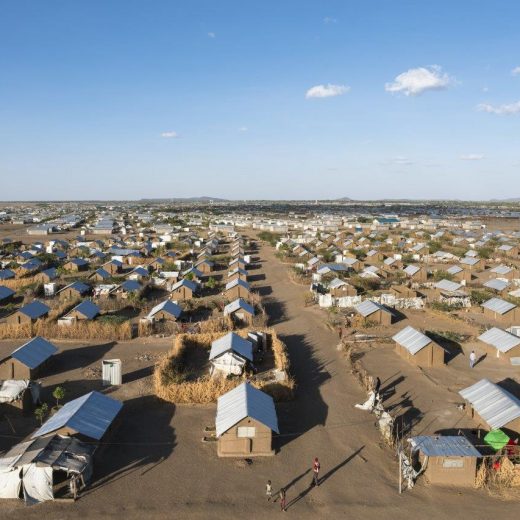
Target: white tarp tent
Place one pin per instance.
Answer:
(29, 466)
(11, 389)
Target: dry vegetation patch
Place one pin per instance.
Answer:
(182, 376)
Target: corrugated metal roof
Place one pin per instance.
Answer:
(5, 292)
(33, 353)
(89, 309)
(454, 269)
(469, 260)
(496, 284)
(185, 283)
(501, 269)
(494, 404)
(448, 285)
(368, 307)
(336, 283)
(235, 282)
(410, 270)
(237, 304)
(35, 309)
(439, 446)
(412, 339)
(166, 306)
(131, 285)
(231, 342)
(498, 305)
(245, 401)
(500, 339)
(89, 415)
(6, 274)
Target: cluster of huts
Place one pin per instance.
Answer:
(378, 273)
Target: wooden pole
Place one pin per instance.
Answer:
(400, 473)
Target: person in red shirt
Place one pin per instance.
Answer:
(316, 472)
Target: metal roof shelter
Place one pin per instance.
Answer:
(33, 353)
(368, 307)
(468, 260)
(245, 401)
(185, 283)
(501, 269)
(6, 274)
(455, 269)
(337, 283)
(500, 339)
(52, 273)
(231, 342)
(410, 270)
(494, 404)
(89, 415)
(496, 284)
(89, 309)
(237, 281)
(35, 309)
(237, 304)
(440, 446)
(412, 339)
(448, 285)
(131, 286)
(5, 292)
(78, 286)
(166, 306)
(498, 305)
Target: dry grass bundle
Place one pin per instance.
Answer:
(12, 331)
(17, 284)
(174, 382)
(62, 308)
(216, 325)
(502, 480)
(91, 330)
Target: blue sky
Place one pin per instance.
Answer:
(131, 99)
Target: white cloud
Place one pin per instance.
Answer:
(485, 89)
(401, 160)
(325, 91)
(416, 81)
(516, 71)
(243, 129)
(472, 157)
(329, 19)
(211, 35)
(170, 135)
(501, 110)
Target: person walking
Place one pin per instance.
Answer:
(316, 472)
(283, 504)
(269, 490)
(472, 359)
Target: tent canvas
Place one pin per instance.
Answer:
(497, 439)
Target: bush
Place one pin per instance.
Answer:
(269, 237)
(478, 297)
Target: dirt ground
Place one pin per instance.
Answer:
(155, 465)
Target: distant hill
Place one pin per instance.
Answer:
(344, 199)
(186, 199)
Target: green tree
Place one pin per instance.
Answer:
(58, 394)
(41, 412)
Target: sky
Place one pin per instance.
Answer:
(287, 99)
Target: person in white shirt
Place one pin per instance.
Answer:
(472, 359)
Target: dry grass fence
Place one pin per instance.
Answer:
(19, 283)
(172, 381)
(503, 481)
(92, 330)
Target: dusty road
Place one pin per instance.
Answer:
(156, 467)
